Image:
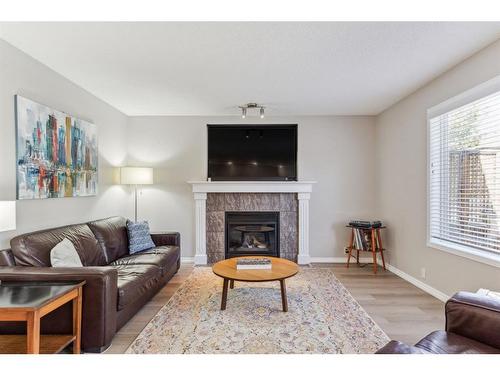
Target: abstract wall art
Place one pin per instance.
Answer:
(56, 153)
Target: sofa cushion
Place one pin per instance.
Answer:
(441, 342)
(33, 249)
(112, 236)
(163, 250)
(134, 280)
(162, 256)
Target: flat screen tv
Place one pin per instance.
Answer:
(252, 152)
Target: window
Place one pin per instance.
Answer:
(464, 173)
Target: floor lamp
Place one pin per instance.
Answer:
(136, 176)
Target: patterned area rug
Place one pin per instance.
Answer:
(323, 317)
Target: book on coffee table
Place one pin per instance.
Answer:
(253, 264)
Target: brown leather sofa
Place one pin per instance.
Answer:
(117, 284)
(472, 326)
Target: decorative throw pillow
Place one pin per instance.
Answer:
(139, 237)
(64, 254)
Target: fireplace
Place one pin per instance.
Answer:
(252, 233)
(214, 199)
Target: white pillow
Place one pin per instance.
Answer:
(64, 255)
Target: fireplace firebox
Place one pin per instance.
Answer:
(252, 233)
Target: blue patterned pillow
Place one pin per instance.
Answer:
(139, 238)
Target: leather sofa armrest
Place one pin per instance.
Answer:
(474, 316)
(99, 296)
(7, 258)
(166, 238)
(398, 347)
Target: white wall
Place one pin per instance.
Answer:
(21, 74)
(337, 152)
(401, 141)
(357, 161)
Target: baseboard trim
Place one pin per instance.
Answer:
(312, 259)
(200, 260)
(337, 259)
(419, 284)
(303, 259)
(412, 280)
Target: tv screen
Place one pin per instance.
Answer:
(252, 152)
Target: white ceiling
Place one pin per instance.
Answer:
(333, 68)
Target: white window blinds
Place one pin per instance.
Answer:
(464, 176)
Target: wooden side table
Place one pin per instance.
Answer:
(30, 302)
(375, 246)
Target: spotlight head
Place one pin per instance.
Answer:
(243, 112)
(261, 112)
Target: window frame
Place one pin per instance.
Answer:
(477, 92)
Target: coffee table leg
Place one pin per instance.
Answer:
(231, 284)
(283, 296)
(224, 294)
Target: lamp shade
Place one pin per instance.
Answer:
(136, 176)
(7, 216)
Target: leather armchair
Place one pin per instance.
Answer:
(472, 326)
(474, 316)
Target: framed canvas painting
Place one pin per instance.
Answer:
(56, 153)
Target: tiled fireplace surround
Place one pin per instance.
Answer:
(219, 203)
(289, 198)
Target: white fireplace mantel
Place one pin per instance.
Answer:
(201, 188)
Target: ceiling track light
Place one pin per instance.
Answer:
(247, 106)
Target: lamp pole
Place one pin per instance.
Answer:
(135, 203)
(135, 177)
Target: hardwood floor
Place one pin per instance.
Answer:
(402, 310)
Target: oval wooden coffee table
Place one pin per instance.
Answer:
(281, 269)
